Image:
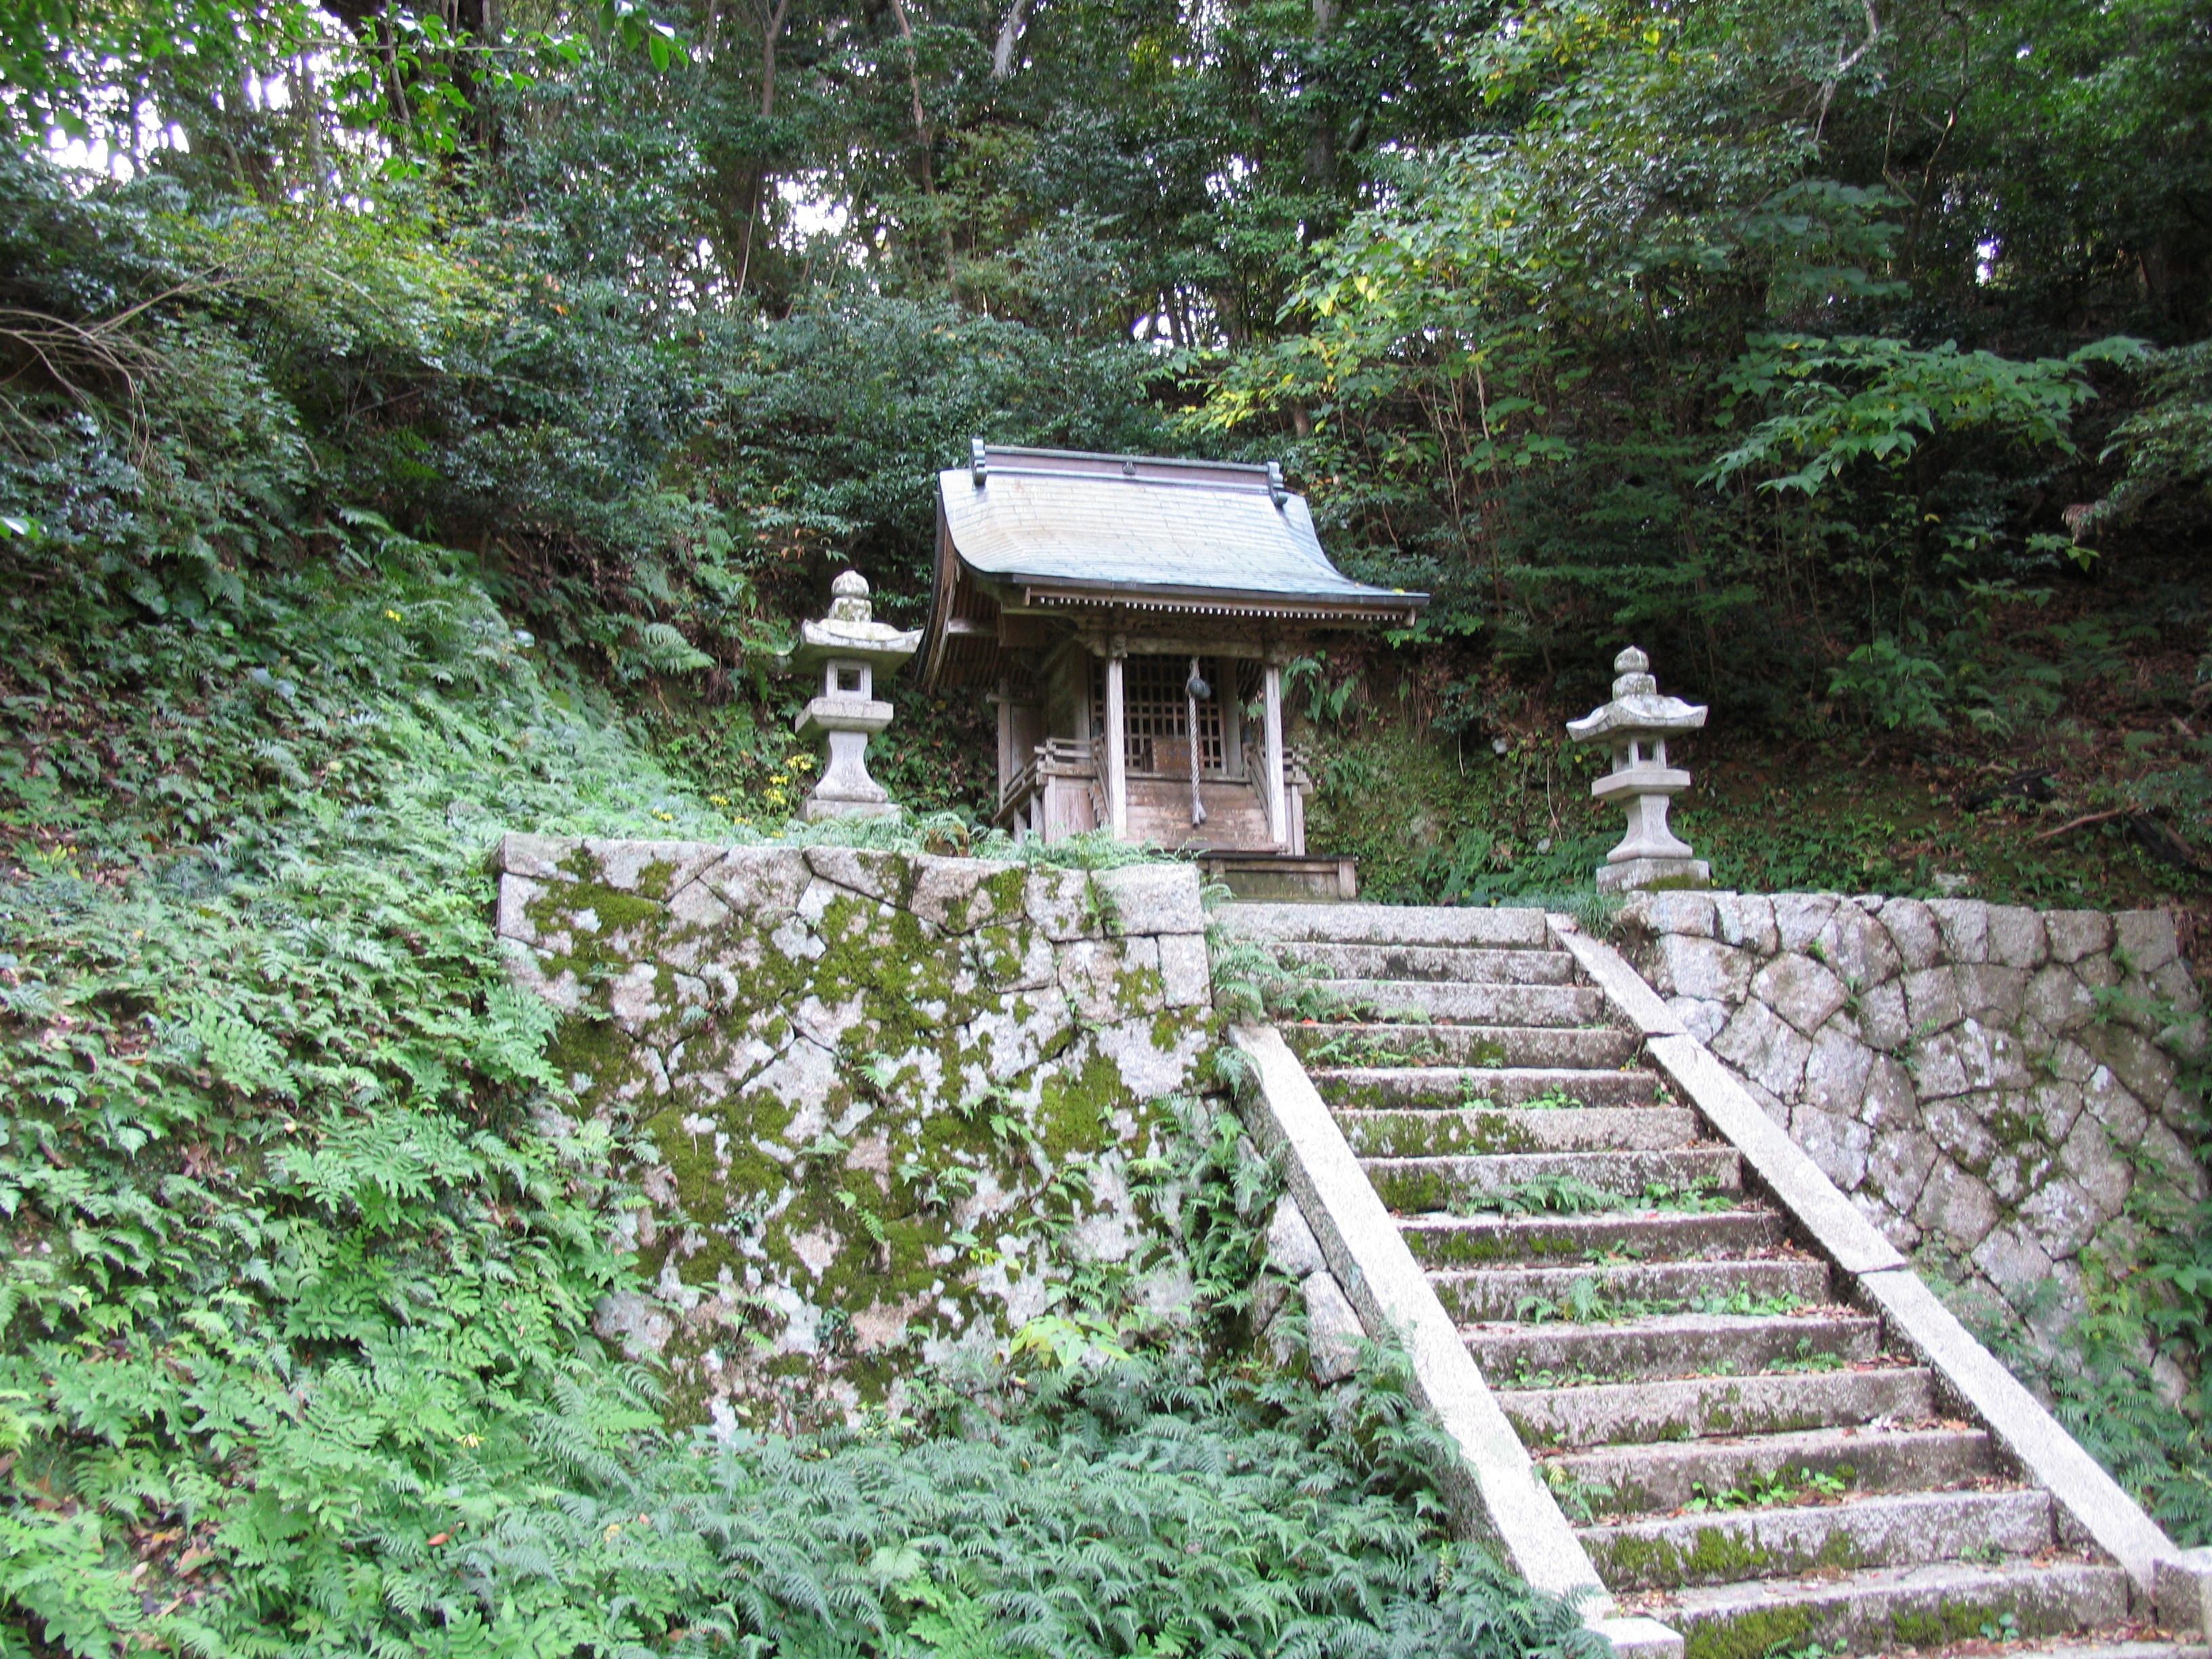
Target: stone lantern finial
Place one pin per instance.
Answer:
(1635, 725)
(848, 601)
(851, 647)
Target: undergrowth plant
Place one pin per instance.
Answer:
(301, 1253)
(304, 1244)
(2126, 1378)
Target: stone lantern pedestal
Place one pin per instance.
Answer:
(851, 648)
(1636, 725)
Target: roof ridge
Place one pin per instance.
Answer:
(1021, 459)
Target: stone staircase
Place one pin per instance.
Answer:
(1745, 1453)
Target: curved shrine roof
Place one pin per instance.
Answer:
(1069, 526)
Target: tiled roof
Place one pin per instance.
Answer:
(1062, 521)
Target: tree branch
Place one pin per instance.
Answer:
(2081, 823)
(1845, 66)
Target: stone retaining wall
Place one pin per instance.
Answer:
(1990, 1085)
(878, 1102)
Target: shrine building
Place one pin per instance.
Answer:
(1131, 617)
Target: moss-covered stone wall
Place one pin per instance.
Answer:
(879, 1102)
(1993, 1086)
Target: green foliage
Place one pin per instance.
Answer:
(1545, 1194)
(2149, 1430)
(1127, 1509)
(298, 1355)
(390, 87)
(295, 1285)
(2167, 442)
(1769, 1490)
(634, 327)
(1508, 372)
(1445, 820)
(1846, 400)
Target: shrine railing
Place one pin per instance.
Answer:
(1057, 792)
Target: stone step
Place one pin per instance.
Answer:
(1667, 1474)
(1467, 964)
(1450, 1240)
(1483, 1293)
(1889, 1529)
(1411, 1185)
(1884, 1609)
(1476, 1004)
(1356, 1043)
(1664, 1345)
(1443, 1133)
(1387, 924)
(1686, 1408)
(1376, 1088)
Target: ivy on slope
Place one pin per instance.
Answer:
(292, 1284)
(300, 1249)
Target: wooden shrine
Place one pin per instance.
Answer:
(1131, 617)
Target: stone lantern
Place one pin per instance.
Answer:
(1636, 725)
(851, 648)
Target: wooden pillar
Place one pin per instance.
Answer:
(1232, 717)
(1279, 818)
(1009, 762)
(1117, 740)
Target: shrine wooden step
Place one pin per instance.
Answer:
(1234, 816)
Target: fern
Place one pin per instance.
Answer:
(307, 1231)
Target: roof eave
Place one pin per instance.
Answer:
(1058, 591)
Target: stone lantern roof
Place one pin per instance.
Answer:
(1637, 705)
(850, 633)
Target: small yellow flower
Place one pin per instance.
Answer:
(614, 1530)
(718, 800)
(395, 616)
(472, 1441)
(800, 762)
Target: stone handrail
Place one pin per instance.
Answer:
(1493, 1490)
(2092, 1505)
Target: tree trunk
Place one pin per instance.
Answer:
(771, 31)
(926, 140)
(1010, 33)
